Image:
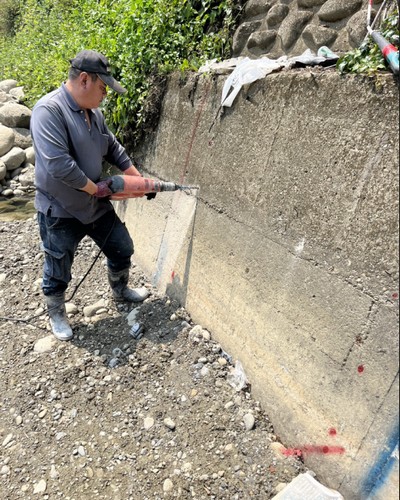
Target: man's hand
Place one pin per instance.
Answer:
(103, 189)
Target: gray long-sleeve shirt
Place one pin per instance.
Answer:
(68, 153)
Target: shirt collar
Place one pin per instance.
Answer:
(68, 97)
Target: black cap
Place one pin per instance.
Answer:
(94, 62)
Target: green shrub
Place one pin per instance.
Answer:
(143, 39)
(368, 59)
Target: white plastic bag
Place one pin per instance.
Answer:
(248, 71)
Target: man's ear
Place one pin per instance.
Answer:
(83, 78)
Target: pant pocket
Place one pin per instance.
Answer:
(56, 265)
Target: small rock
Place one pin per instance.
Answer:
(40, 487)
(18, 420)
(53, 472)
(168, 485)
(5, 470)
(45, 344)
(249, 421)
(7, 439)
(168, 422)
(148, 423)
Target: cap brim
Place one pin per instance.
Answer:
(112, 83)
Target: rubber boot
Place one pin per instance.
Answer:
(119, 286)
(58, 316)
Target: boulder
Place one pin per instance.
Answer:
(7, 85)
(7, 140)
(14, 158)
(336, 10)
(3, 170)
(30, 155)
(23, 138)
(13, 114)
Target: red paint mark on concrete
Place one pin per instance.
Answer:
(172, 275)
(395, 296)
(332, 431)
(360, 368)
(311, 448)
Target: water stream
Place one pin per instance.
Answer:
(12, 209)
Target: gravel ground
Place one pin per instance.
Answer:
(107, 416)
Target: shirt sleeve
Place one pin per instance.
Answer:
(50, 136)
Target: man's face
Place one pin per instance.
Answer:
(94, 91)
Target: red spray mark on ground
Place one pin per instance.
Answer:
(395, 296)
(312, 448)
(360, 368)
(172, 275)
(332, 431)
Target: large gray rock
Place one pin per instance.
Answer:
(262, 40)
(14, 158)
(317, 36)
(356, 28)
(292, 27)
(15, 115)
(7, 139)
(277, 14)
(335, 10)
(17, 93)
(23, 138)
(242, 34)
(257, 7)
(7, 85)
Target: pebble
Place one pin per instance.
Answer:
(278, 450)
(40, 487)
(148, 423)
(53, 472)
(5, 470)
(168, 422)
(91, 310)
(7, 439)
(45, 344)
(168, 485)
(249, 421)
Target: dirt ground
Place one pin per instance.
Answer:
(107, 416)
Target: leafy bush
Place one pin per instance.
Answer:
(143, 39)
(368, 58)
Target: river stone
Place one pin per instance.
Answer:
(45, 344)
(335, 10)
(3, 170)
(23, 138)
(356, 28)
(257, 7)
(262, 40)
(7, 85)
(90, 311)
(277, 14)
(7, 139)
(14, 158)
(28, 177)
(13, 114)
(30, 155)
(318, 36)
(242, 34)
(292, 26)
(17, 93)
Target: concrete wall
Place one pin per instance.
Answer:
(288, 254)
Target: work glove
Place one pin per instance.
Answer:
(103, 189)
(150, 196)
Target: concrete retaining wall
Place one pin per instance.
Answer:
(288, 254)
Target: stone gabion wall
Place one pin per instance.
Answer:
(274, 28)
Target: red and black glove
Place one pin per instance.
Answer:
(103, 189)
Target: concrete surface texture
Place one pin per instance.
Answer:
(289, 253)
(289, 27)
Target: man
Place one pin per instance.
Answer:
(71, 142)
